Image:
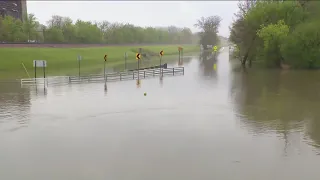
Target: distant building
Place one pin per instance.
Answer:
(15, 9)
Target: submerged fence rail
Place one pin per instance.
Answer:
(116, 76)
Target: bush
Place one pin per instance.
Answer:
(302, 48)
(273, 35)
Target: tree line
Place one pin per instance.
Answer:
(63, 30)
(278, 33)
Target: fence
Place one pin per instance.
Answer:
(45, 81)
(117, 76)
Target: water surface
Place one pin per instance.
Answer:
(208, 124)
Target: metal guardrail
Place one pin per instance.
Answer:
(117, 76)
(45, 81)
(127, 75)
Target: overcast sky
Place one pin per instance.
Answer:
(142, 13)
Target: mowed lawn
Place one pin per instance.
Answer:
(64, 60)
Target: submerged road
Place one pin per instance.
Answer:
(208, 124)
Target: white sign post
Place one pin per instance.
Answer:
(39, 63)
(79, 59)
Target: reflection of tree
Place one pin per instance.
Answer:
(207, 63)
(278, 101)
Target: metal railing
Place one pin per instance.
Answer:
(45, 81)
(116, 76)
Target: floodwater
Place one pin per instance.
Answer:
(225, 124)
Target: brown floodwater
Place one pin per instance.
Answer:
(223, 123)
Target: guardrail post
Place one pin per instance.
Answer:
(153, 72)
(183, 70)
(120, 76)
(133, 74)
(144, 73)
(173, 72)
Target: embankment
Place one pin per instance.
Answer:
(62, 58)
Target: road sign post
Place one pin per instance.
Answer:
(125, 60)
(39, 63)
(138, 57)
(35, 69)
(79, 59)
(180, 55)
(44, 69)
(104, 67)
(161, 70)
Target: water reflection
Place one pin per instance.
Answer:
(14, 106)
(138, 83)
(278, 101)
(105, 88)
(161, 81)
(207, 63)
(41, 92)
(191, 123)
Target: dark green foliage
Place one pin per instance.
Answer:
(278, 33)
(302, 48)
(63, 30)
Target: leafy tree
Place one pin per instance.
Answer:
(209, 29)
(264, 30)
(30, 26)
(302, 48)
(54, 35)
(273, 35)
(61, 29)
(12, 30)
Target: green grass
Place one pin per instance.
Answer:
(63, 61)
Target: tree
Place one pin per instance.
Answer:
(54, 35)
(209, 29)
(273, 35)
(243, 32)
(30, 26)
(302, 48)
(12, 30)
(61, 29)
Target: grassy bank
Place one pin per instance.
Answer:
(63, 61)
